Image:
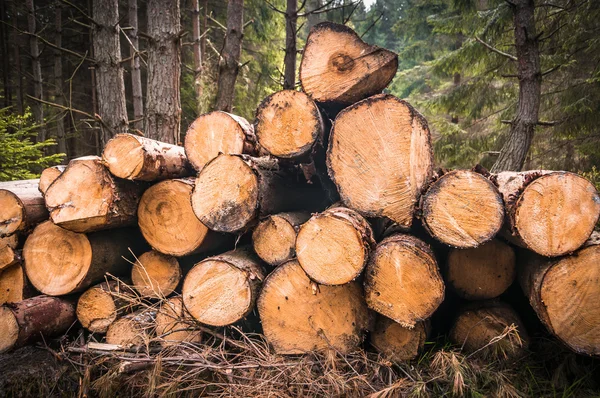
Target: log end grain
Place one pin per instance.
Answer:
(12, 284)
(96, 310)
(274, 240)
(132, 329)
(12, 213)
(9, 328)
(155, 275)
(174, 324)
(397, 342)
(48, 176)
(124, 156)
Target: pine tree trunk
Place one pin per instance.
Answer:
(36, 106)
(109, 71)
(5, 58)
(198, 54)
(16, 41)
(289, 61)
(136, 75)
(229, 62)
(58, 81)
(163, 106)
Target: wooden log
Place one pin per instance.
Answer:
(175, 325)
(397, 342)
(13, 285)
(550, 212)
(402, 280)
(101, 305)
(48, 176)
(289, 125)
(333, 246)
(380, 157)
(221, 290)
(33, 318)
(8, 257)
(484, 272)
(86, 197)
(138, 158)
(218, 132)
(59, 261)
(274, 238)
(132, 329)
(462, 209)
(338, 67)
(490, 329)
(11, 241)
(564, 292)
(21, 207)
(168, 223)
(300, 316)
(155, 275)
(233, 191)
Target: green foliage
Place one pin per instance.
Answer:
(20, 157)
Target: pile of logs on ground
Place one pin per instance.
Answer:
(325, 218)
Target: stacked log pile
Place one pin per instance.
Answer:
(242, 219)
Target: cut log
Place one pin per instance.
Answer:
(168, 223)
(59, 261)
(11, 241)
(333, 247)
(550, 212)
(338, 67)
(299, 316)
(86, 197)
(48, 176)
(174, 324)
(491, 330)
(564, 293)
(396, 342)
(8, 257)
(21, 206)
(481, 273)
(221, 290)
(101, 305)
(132, 329)
(463, 209)
(138, 158)
(218, 132)
(288, 125)
(233, 191)
(155, 275)
(274, 238)
(33, 318)
(402, 280)
(13, 285)
(380, 157)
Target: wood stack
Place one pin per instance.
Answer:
(320, 272)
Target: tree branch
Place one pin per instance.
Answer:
(494, 49)
(539, 123)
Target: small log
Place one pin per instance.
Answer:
(288, 125)
(218, 132)
(338, 67)
(551, 213)
(86, 197)
(481, 273)
(300, 316)
(155, 275)
(101, 305)
(13, 285)
(402, 280)
(380, 157)
(132, 329)
(48, 176)
(274, 238)
(8, 257)
(462, 209)
(333, 246)
(33, 318)
(21, 207)
(221, 290)
(143, 159)
(397, 342)
(59, 261)
(11, 241)
(174, 324)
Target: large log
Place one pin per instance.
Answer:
(333, 246)
(274, 238)
(218, 132)
(380, 157)
(338, 67)
(221, 290)
(299, 316)
(174, 324)
(101, 305)
(155, 275)
(397, 342)
(484, 272)
(462, 209)
(33, 318)
(21, 206)
(86, 197)
(48, 176)
(138, 158)
(132, 329)
(59, 261)
(402, 280)
(550, 212)
(13, 285)
(564, 292)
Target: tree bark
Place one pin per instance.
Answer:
(136, 75)
(58, 81)
(36, 65)
(16, 41)
(514, 152)
(289, 61)
(198, 54)
(229, 62)
(5, 59)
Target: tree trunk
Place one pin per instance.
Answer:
(396, 342)
(48, 176)
(101, 305)
(163, 106)
(274, 239)
(289, 61)
(58, 81)
(198, 54)
(299, 316)
(204, 30)
(313, 18)
(175, 325)
(132, 329)
(155, 275)
(109, 71)
(5, 59)
(136, 75)
(16, 41)
(36, 65)
(21, 206)
(514, 152)
(229, 62)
